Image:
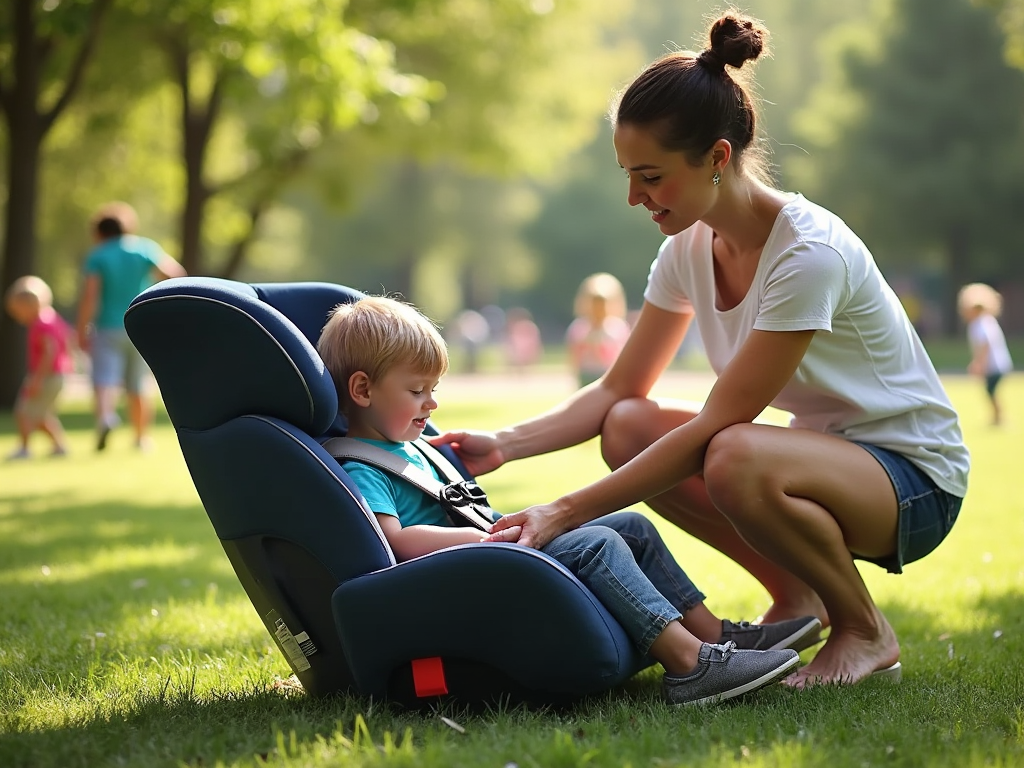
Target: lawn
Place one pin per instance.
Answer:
(125, 638)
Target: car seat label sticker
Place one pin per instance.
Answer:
(305, 643)
(288, 643)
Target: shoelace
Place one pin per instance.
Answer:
(721, 652)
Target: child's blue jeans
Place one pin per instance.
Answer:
(623, 560)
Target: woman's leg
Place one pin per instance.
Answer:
(633, 425)
(808, 500)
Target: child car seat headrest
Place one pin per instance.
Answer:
(252, 358)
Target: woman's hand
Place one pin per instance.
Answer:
(533, 527)
(479, 451)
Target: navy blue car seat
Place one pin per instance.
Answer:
(251, 402)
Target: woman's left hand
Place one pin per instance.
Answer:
(533, 527)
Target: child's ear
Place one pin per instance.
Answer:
(359, 389)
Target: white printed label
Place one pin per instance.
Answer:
(289, 645)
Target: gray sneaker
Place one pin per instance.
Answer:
(796, 634)
(724, 672)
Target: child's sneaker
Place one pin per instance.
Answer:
(724, 672)
(58, 452)
(18, 455)
(795, 634)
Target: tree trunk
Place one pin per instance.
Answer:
(19, 258)
(959, 272)
(241, 247)
(196, 126)
(25, 130)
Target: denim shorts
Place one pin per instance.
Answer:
(926, 512)
(116, 362)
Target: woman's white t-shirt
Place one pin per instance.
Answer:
(868, 378)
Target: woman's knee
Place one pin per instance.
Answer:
(735, 467)
(626, 431)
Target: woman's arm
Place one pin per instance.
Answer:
(87, 308)
(762, 367)
(648, 351)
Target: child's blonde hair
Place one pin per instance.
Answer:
(980, 296)
(29, 287)
(376, 334)
(601, 285)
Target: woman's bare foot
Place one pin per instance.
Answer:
(793, 606)
(850, 655)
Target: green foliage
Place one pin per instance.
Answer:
(127, 640)
(916, 137)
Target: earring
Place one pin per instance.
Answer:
(716, 178)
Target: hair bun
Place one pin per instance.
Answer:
(735, 39)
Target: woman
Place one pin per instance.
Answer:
(793, 313)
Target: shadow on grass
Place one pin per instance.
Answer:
(953, 707)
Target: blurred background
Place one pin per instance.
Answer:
(458, 152)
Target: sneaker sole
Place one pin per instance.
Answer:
(753, 685)
(805, 637)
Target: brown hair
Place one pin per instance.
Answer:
(375, 334)
(690, 100)
(121, 215)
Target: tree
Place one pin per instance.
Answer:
(44, 51)
(917, 140)
(525, 84)
(263, 82)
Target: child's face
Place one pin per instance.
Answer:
(24, 309)
(400, 404)
(969, 313)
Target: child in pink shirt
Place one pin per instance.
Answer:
(597, 335)
(30, 302)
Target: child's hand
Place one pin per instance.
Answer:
(32, 386)
(975, 368)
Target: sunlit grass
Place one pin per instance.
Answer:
(125, 638)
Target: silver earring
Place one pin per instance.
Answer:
(716, 178)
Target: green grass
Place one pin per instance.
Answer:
(125, 638)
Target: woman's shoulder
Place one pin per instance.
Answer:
(809, 222)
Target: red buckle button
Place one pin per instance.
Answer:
(428, 677)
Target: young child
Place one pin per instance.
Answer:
(596, 336)
(386, 360)
(30, 302)
(979, 306)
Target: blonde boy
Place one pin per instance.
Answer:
(386, 360)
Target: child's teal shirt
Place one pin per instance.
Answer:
(125, 268)
(386, 494)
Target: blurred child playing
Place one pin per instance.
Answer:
(386, 360)
(596, 336)
(30, 302)
(979, 306)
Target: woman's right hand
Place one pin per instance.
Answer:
(479, 451)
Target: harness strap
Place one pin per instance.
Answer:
(463, 500)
